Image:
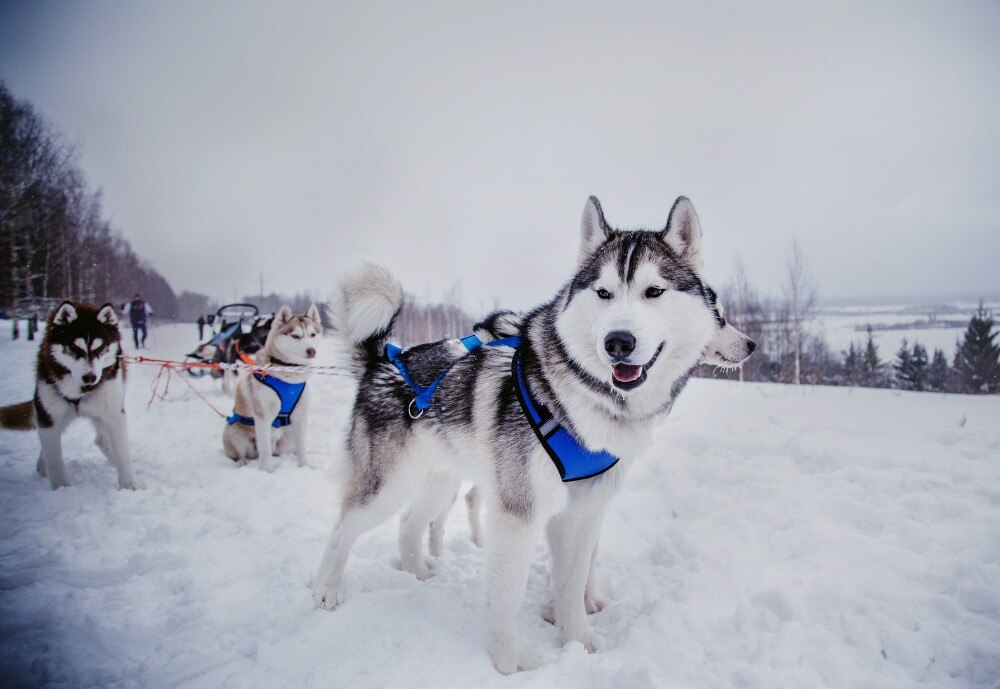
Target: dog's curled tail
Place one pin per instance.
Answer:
(362, 310)
(18, 417)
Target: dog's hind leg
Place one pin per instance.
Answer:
(438, 490)
(435, 532)
(508, 556)
(40, 464)
(474, 508)
(592, 601)
(360, 513)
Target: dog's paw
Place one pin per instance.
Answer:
(422, 568)
(594, 604)
(133, 484)
(329, 596)
(549, 614)
(267, 466)
(515, 660)
(584, 636)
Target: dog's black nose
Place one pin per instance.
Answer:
(310, 352)
(751, 346)
(619, 344)
(88, 378)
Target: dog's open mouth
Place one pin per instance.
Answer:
(630, 376)
(626, 373)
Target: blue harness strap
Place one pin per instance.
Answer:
(573, 461)
(289, 395)
(426, 393)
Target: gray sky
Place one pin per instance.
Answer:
(457, 142)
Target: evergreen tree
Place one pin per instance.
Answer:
(938, 372)
(854, 365)
(904, 367)
(873, 376)
(918, 377)
(977, 360)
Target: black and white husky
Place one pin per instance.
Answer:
(607, 356)
(79, 374)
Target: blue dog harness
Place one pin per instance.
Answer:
(573, 461)
(288, 393)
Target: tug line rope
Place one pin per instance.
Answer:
(169, 367)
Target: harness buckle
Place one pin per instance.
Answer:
(409, 410)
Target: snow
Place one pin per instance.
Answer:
(775, 537)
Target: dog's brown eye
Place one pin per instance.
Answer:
(604, 294)
(654, 292)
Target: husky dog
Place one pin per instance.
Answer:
(608, 356)
(728, 349)
(266, 405)
(248, 343)
(78, 374)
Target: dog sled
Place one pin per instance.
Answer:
(230, 325)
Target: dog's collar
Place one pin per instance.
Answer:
(572, 459)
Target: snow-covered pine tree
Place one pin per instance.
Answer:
(854, 365)
(938, 372)
(903, 367)
(977, 360)
(919, 366)
(873, 376)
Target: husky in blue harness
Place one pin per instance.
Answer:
(599, 366)
(270, 410)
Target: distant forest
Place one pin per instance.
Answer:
(55, 242)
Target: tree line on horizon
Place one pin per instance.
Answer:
(55, 241)
(789, 352)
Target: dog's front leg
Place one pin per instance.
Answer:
(573, 538)
(508, 556)
(299, 429)
(112, 439)
(262, 432)
(55, 467)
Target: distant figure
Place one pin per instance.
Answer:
(201, 326)
(138, 311)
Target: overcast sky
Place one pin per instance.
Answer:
(457, 142)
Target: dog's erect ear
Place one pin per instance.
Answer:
(729, 348)
(107, 315)
(283, 316)
(313, 313)
(66, 313)
(594, 230)
(683, 232)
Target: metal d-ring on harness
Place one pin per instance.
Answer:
(415, 409)
(573, 461)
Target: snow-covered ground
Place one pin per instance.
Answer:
(776, 537)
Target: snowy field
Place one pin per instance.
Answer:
(776, 537)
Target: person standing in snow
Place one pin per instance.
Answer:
(138, 312)
(201, 326)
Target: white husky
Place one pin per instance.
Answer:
(604, 359)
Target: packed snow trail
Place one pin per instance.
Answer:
(775, 537)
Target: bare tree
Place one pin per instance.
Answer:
(800, 295)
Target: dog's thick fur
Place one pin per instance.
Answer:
(642, 287)
(78, 374)
(292, 340)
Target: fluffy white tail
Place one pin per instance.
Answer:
(362, 311)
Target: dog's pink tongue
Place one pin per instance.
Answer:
(626, 373)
